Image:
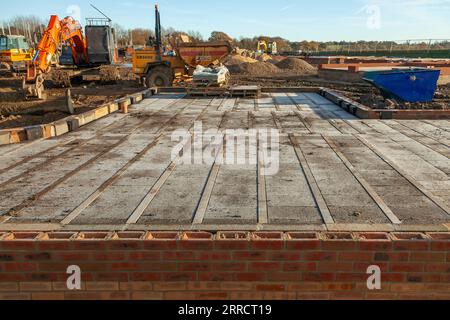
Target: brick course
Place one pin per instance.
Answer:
(200, 265)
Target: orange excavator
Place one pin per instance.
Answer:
(57, 32)
(95, 49)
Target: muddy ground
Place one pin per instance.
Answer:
(15, 108)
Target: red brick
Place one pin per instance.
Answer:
(408, 245)
(355, 256)
(194, 266)
(437, 267)
(407, 287)
(336, 286)
(335, 266)
(423, 277)
(18, 267)
(284, 276)
(203, 286)
(320, 256)
(339, 245)
(251, 276)
(229, 266)
(196, 245)
(393, 277)
(136, 286)
(318, 276)
(179, 296)
(249, 296)
(303, 245)
(391, 256)
(380, 296)
(284, 296)
(47, 296)
(428, 256)
(375, 245)
(250, 255)
(113, 276)
(313, 296)
(92, 245)
(265, 266)
(125, 244)
(178, 255)
(343, 295)
(232, 245)
(38, 256)
(8, 257)
(213, 256)
(9, 286)
(299, 266)
(54, 245)
(158, 266)
(179, 276)
(215, 276)
(14, 296)
(283, 256)
(147, 296)
(17, 245)
(236, 286)
(440, 245)
(146, 276)
(125, 266)
(169, 286)
(305, 286)
(72, 256)
(102, 286)
(407, 267)
(270, 287)
(35, 286)
(36, 276)
(211, 295)
(267, 244)
(109, 256)
(349, 276)
(160, 245)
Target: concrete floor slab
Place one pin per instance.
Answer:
(110, 175)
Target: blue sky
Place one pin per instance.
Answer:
(292, 19)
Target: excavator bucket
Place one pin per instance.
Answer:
(33, 83)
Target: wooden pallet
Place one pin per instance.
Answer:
(245, 91)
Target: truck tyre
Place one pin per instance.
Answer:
(159, 77)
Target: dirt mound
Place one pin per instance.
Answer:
(255, 69)
(238, 59)
(264, 57)
(298, 66)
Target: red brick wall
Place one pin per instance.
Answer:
(261, 265)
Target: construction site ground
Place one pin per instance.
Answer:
(336, 172)
(17, 111)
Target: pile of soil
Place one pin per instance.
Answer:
(376, 101)
(254, 69)
(264, 57)
(298, 66)
(238, 59)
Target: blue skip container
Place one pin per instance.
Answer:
(407, 85)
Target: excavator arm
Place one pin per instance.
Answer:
(57, 32)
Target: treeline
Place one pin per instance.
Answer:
(32, 27)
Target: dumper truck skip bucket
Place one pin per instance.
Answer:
(410, 85)
(204, 54)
